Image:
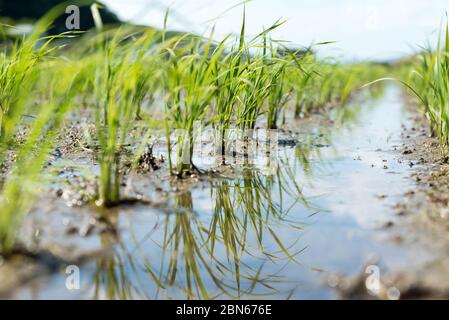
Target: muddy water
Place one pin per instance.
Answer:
(322, 213)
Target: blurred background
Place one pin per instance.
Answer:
(378, 30)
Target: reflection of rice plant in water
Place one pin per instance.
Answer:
(192, 248)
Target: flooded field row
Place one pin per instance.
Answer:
(307, 231)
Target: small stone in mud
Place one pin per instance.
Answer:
(388, 225)
(287, 142)
(319, 145)
(411, 164)
(71, 230)
(407, 151)
(59, 192)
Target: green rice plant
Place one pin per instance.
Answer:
(21, 185)
(18, 73)
(297, 78)
(23, 180)
(20, 68)
(258, 81)
(190, 90)
(243, 79)
(281, 63)
(326, 88)
(255, 93)
(325, 84)
(431, 84)
(229, 82)
(243, 83)
(120, 82)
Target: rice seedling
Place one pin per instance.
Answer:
(189, 77)
(246, 87)
(297, 80)
(18, 73)
(280, 91)
(229, 82)
(205, 82)
(255, 93)
(120, 85)
(430, 83)
(241, 80)
(21, 184)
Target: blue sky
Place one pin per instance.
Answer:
(368, 29)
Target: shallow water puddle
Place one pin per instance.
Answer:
(280, 236)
